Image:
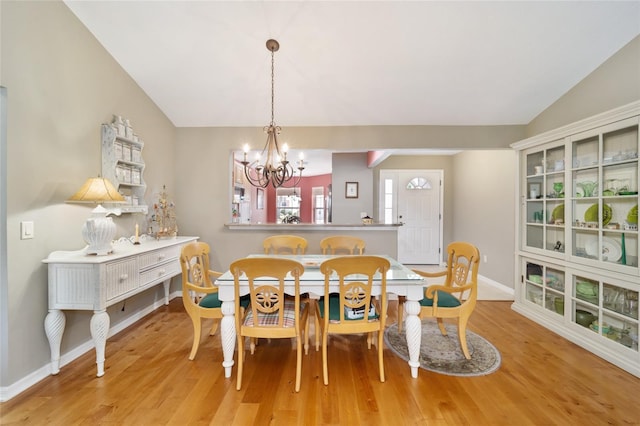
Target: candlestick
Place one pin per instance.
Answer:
(137, 238)
(245, 149)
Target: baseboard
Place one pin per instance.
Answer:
(13, 390)
(496, 285)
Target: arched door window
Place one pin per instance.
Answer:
(419, 183)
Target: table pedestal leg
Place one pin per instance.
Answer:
(228, 336)
(54, 328)
(99, 331)
(413, 330)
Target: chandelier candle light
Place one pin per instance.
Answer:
(276, 169)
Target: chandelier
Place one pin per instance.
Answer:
(276, 169)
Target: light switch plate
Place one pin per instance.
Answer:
(26, 230)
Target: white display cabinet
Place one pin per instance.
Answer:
(577, 242)
(123, 165)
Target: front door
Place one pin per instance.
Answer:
(414, 198)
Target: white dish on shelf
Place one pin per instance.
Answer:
(611, 249)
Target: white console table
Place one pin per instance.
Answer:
(78, 281)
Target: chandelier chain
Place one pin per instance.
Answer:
(272, 86)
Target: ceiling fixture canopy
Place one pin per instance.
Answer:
(276, 169)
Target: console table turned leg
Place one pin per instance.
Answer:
(54, 324)
(99, 330)
(166, 285)
(413, 330)
(228, 336)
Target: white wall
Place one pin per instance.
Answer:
(62, 85)
(4, 285)
(614, 83)
(351, 167)
(484, 209)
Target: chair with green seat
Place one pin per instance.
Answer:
(199, 294)
(351, 310)
(457, 296)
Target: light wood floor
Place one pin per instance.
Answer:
(543, 380)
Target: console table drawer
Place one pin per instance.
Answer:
(159, 273)
(157, 257)
(121, 278)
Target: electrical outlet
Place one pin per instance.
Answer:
(26, 230)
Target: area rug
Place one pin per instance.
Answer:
(442, 354)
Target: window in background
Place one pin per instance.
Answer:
(318, 204)
(388, 201)
(287, 205)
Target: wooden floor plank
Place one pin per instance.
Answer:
(543, 380)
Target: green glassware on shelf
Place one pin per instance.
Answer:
(558, 187)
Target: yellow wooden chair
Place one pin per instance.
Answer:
(199, 294)
(351, 310)
(270, 314)
(284, 244)
(339, 244)
(457, 296)
(342, 244)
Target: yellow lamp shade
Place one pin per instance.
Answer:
(97, 190)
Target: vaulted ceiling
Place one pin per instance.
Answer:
(204, 63)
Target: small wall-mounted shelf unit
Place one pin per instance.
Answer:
(577, 233)
(123, 165)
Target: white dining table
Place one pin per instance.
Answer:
(401, 281)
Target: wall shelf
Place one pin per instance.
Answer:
(123, 165)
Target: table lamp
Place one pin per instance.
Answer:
(99, 229)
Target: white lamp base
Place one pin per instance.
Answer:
(98, 231)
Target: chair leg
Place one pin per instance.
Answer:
(240, 361)
(462, 336)
(317, 331)
(325, 369)
(380, 358)
(443, 330)
(400, 312)
(214, 327)
(197, 329)
(306, 336)
(298, 363)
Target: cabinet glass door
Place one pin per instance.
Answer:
(604, 195)
(606, 309)
(620, 316)
(544, 201)
(544, 286)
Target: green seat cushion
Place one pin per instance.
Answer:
(445, 300)
(334, 309)
(245, 301)
(212, 301)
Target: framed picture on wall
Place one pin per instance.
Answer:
(351, 190)
(260, 199)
